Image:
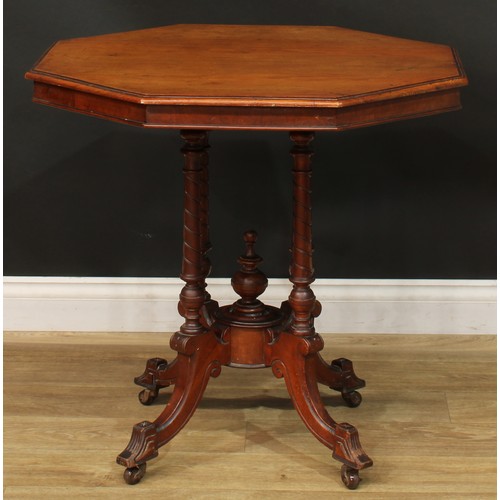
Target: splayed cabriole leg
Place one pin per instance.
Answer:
(200, 351)
(339, 375)
(296, 354)
(294, 360)
(199, 358)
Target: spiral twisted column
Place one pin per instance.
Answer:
(302, 299)
(206, 245)
(194, 266)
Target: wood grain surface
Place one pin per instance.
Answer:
(270, 77)
(428, 418)
(259, 65)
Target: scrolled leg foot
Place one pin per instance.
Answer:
(350, 477)
(150, 375)
(349, 380)
(141, 447)
(158, 374)
(347, 447)
(133, 475)
(340, 376)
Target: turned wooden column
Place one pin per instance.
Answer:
(206, 245)
(195, 231)
(302, 299)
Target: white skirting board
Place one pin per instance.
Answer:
(150, 304)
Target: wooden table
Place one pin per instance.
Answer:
(198, 78)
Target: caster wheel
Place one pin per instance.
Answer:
(134, 474)
(350, 477)
(352, 399)
(146, 397)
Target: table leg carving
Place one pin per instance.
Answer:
(210, 306)
(158, 374)
(200, 351)
(302, 299)
(199, 358)
(295, 359)
(141, 447)
(340, 376)
(194, 262)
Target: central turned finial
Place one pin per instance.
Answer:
(250, 237)
(250, 281)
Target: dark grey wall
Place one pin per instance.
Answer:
(85, 197)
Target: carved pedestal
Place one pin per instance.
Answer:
(247, 333)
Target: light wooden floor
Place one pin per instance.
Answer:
(428, 420)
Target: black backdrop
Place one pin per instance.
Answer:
(416, 199)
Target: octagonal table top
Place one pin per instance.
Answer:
(264, 77)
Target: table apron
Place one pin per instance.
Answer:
(247, 117)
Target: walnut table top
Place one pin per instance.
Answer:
(249, 77)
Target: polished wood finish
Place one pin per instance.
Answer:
(194, 266)
(199, 78)
(68, 405)
(302, 299)
(249, 77)
(247, 333)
